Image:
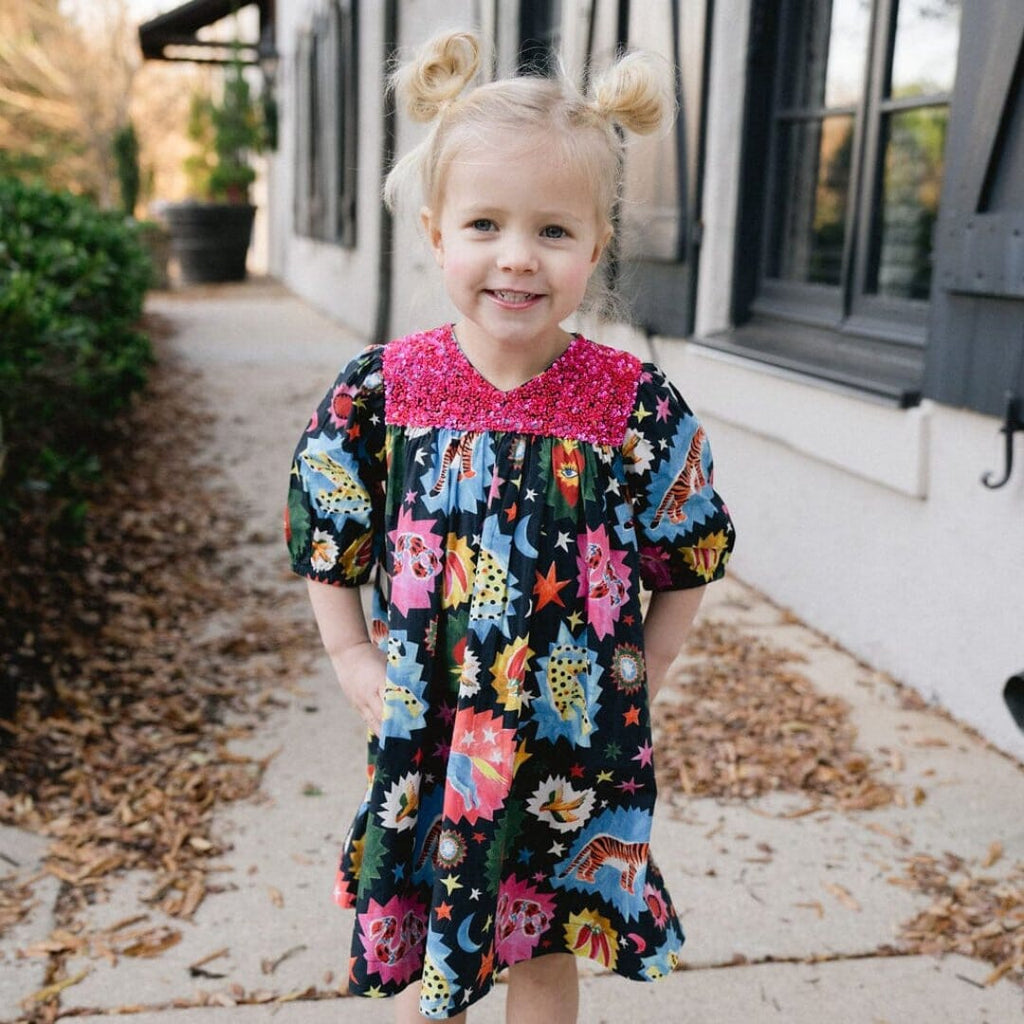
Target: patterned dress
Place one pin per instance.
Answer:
(509, 800)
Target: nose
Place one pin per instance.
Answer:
(517, 254)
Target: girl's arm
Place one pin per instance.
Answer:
(359, 664)
(666, 627)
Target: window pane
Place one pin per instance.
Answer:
(914, 142)
(813, 189)
(924, 54)
(826, 62)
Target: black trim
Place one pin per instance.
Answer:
(389, 139)
(179, 26)
(855, 362)
(757, 106)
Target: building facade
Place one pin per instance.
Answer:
(828, 258)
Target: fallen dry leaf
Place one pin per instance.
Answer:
(995, 854)
(153, 942)
(268, 965)
(842, 894)
(16, 900)
(47, 993)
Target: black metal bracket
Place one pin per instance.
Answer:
(1012, 422)
(1013, 694)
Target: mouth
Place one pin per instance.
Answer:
(510, 297)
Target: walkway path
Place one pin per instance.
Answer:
(789, 915)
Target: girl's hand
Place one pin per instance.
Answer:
(359, 665)
(361, 672)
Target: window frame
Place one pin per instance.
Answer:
(842, 334)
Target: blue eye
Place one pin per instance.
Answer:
(483, 224)
(554, 231)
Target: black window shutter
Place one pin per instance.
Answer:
(975, 351)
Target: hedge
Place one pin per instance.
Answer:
(72, 282)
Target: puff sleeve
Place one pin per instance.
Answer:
(334, 519)
(684, 531)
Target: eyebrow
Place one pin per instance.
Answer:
(547, 216)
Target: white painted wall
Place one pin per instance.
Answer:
(928, 588)
(418, 298)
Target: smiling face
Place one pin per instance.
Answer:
(517, 236)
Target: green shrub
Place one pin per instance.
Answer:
(72, 283)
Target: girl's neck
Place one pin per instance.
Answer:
(506, 367)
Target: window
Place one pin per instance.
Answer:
(539, 25)
(841, 228)
(327, 98)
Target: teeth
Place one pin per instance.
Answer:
(513, 296)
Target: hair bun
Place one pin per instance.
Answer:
(438, 74)
(636, 92)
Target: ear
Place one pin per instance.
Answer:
(432, 229)
(599, 248)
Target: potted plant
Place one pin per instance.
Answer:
(210, 234)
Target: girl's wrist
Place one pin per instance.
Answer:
(342, 653)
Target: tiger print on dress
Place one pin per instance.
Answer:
(460, 448)
(606, 851)
(689, 480)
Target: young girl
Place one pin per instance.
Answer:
(510, 485)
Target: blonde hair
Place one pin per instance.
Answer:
(634, 94)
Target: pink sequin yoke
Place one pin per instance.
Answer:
(586, 394)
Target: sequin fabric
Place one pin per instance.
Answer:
(430, 383)
(509, 798)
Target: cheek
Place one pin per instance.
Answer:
(577, 277)
(460, 267)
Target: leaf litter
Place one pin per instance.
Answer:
(751, 724)
(973, 913)
(120, 751)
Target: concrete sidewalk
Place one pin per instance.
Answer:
(801, 934)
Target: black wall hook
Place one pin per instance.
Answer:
(1012, 422)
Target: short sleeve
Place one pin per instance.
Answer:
(333, 523)
(684, 531)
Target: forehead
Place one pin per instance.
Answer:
(535, 172)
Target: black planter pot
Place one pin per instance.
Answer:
(210, 240)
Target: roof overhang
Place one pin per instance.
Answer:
(173, 36)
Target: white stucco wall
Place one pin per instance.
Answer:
(928, 588)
